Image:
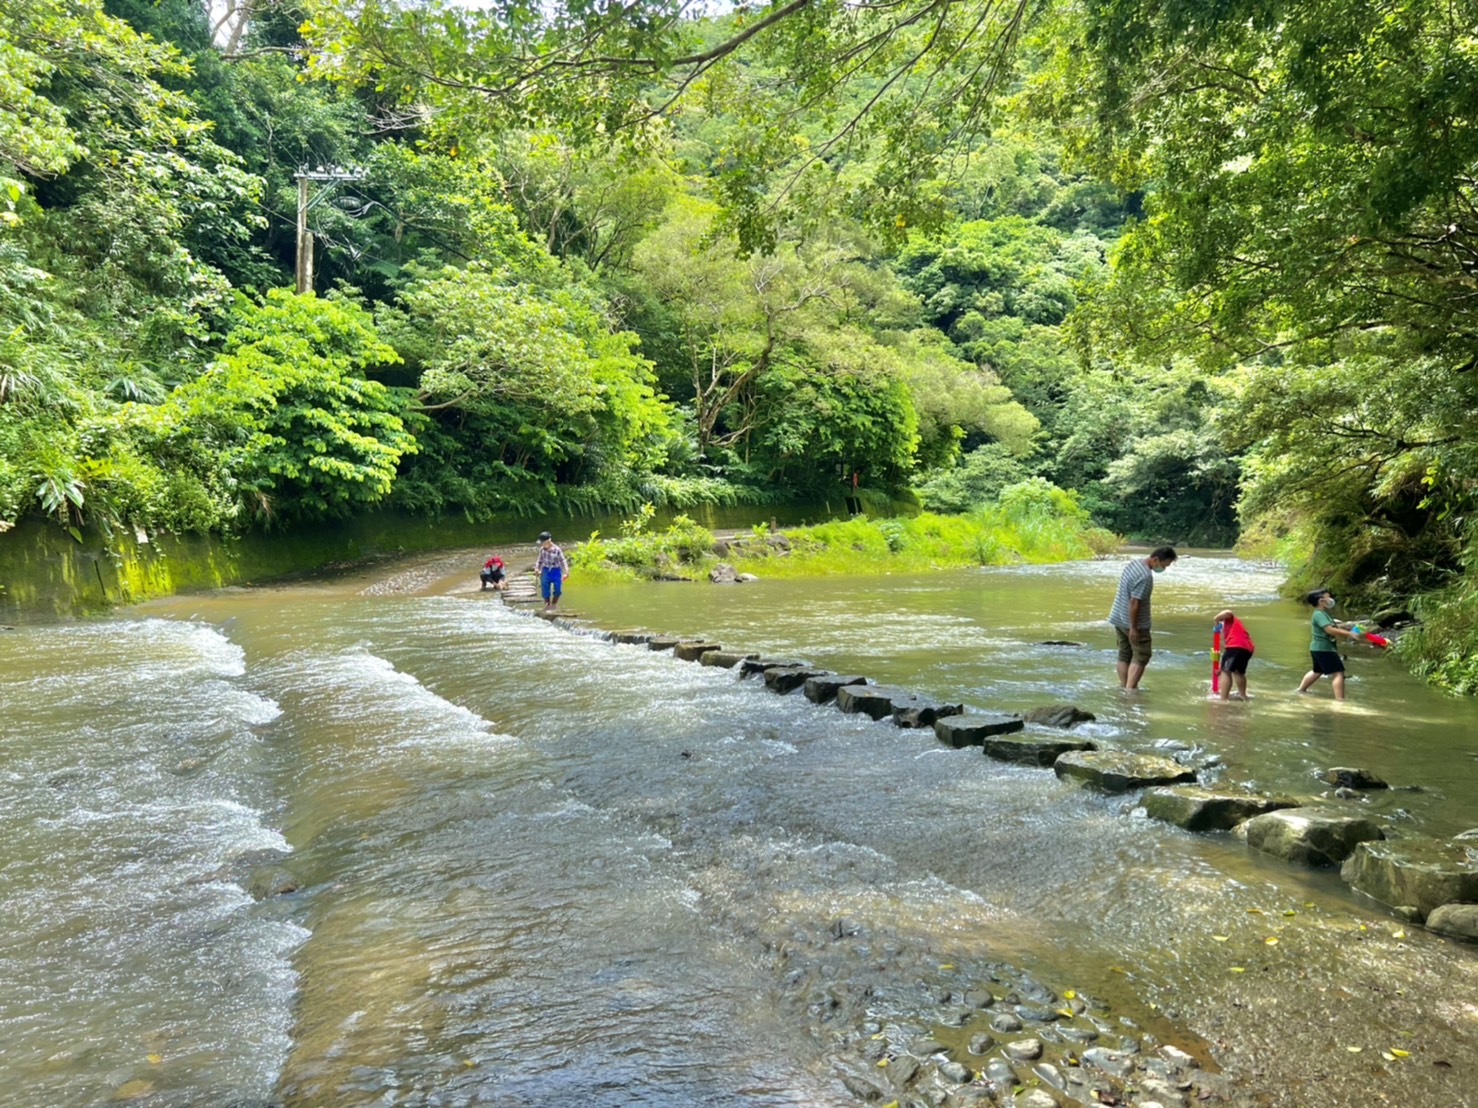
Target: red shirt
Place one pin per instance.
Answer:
(493, 561)
(1234, 635)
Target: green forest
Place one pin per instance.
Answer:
(1210, 269)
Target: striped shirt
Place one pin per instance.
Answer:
(551, 557)
(1136, 580)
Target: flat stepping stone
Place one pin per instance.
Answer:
(1118, 771)
(822, 689)
(663, 642)
(873, 701)
(1310, 836)
(1032, 750)
(728, 659)
(691, 651)
(1416, 875)
(973, 728)
(784, 679)
(752, 667)
(1198, 809)
(919, 712)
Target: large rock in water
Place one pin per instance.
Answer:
(1348, 777)
(728, 659)
(784, 679)
(823, 689)
(752, 666)
(1310, 836)
(1058, 715)
(972, 728)
(1416, 875)
(691, 651)
(1198, 809)
(1032, 750)
(875, 701)
(919, 712)
(1120, 771)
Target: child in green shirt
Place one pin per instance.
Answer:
(1322, 650)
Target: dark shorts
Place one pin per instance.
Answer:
(1136, 651)
(493, 574)
(1234, 659)
(550, 582)
(1327, 661)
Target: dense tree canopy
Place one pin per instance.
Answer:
(1209, 267)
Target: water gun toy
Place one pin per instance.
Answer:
(1374, 640)
(1215, 655)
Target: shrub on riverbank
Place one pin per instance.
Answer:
(1031, 522)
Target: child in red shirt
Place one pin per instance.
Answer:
(1236, 652)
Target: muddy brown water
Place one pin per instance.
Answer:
(535, 867)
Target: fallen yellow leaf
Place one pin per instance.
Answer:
(1290, 912)
(1400, 1053)
(947, 966)
(153, 1058)
(1239, 969)
(1271, 940)
(1221, 938)
(1354, 1049)
(1068, 994)
(882, 1062)
(1399, 935)
(1254, 911)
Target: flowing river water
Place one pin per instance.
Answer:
(533, 867)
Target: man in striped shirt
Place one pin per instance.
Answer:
(552, 567)
(1130, 614)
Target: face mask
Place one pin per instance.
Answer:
(1157, 569)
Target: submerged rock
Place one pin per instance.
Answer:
(972, 728)
(822, 689)
(1198, 809)
(1031, 750)
(1119, 770)
(1421, 874)
(663, 642)
(1310, 836)
(632, 638)
(1345, 777)
(692, 651)
(1058, 715)
(1457, 920)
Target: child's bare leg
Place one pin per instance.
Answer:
(1224, 685)
(1309, 679)
(1242, 685)
(1338, 681)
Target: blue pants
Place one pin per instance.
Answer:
(550, 581)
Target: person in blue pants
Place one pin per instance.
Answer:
(552, 567)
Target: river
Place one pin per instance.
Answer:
(536, 868)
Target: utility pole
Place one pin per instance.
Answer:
(332, 175)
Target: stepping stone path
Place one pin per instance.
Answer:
(1422, 879)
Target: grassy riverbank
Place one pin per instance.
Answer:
(1030, 522)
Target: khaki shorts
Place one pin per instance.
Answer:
(1136, 651)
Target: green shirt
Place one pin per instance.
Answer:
(1321, 640)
